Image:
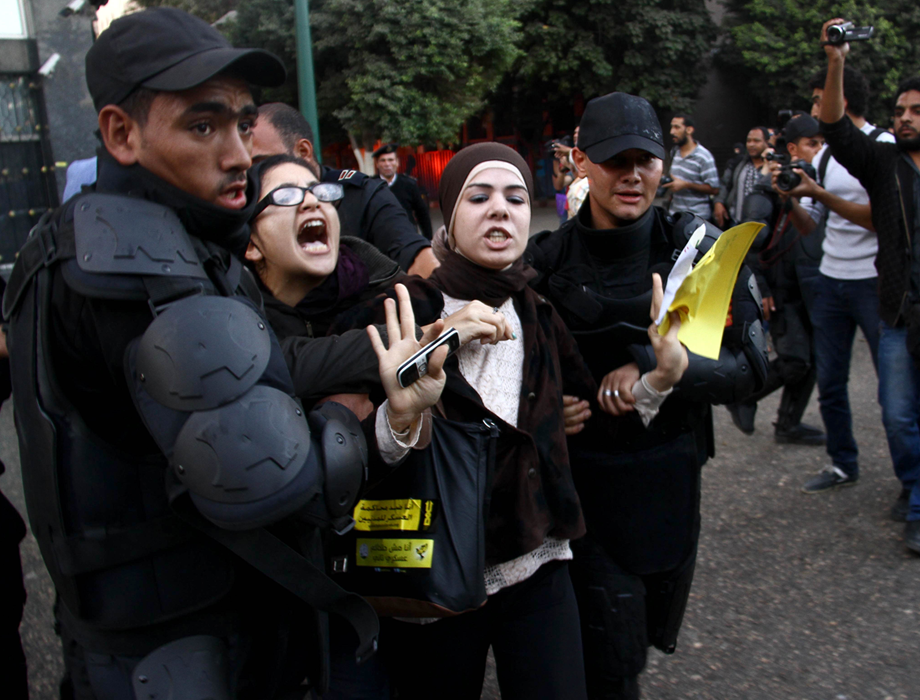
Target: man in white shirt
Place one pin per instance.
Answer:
(847, 286)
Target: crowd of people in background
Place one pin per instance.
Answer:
(220, 354)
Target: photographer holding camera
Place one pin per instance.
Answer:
(789, 264)
(845, 291)
(891, 173)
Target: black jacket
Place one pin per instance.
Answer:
(889, 180)
(640, 486)
(370, 211)
(407, 192)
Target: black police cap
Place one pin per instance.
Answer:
(383, 150)
(617, 122)
(167, 49)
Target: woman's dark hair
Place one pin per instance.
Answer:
(261, 169)
(855, 89)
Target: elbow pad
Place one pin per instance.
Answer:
(742, 366)
(239, 444)
(728, 379)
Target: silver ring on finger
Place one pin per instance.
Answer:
(494, 309)
(607, 392)
(616, 393)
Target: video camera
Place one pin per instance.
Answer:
(839, 34)
(787, 179)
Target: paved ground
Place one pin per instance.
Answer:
(796, 597)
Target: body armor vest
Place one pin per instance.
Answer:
(105, 518)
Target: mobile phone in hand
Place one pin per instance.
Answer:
(416, 366)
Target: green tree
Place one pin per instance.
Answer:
(404, 70)
(208, 10)
(656, 49)
(776, 43)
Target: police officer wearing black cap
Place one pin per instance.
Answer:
(403, 187)
(637, 462)
(174, 485)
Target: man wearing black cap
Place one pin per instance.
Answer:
(156, 423)
(789, 263)
(637, 463)
(403, 187)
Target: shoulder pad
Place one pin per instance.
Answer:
(125, 235)
(684, 227)
(348, 178)
(203, 352)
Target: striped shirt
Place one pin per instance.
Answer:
(700, 168)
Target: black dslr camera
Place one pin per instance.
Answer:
(665, 180)
(787, 179)
(839, 34)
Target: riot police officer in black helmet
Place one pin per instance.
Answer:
(637, 462)
(174, 484)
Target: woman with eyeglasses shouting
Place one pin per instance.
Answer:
(310, 276)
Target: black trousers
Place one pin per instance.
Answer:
(533, 630)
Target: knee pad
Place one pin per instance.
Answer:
(613, 625)
(191, 668)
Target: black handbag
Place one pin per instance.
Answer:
(418, 545)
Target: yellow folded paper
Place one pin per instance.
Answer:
(703, 297)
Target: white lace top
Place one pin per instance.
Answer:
(496, 373)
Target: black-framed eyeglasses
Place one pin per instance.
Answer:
(293, 195)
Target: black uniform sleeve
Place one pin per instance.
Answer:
(420, 207)
(855, 151)
(338, 364)
(387, 226)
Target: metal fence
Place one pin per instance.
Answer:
(27, 184)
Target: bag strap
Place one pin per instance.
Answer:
(287, 567)
(822, 165)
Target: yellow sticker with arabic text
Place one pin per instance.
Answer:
(395, 514)
(395, 554)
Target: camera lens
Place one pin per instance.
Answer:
(787, 180)
(837, 34)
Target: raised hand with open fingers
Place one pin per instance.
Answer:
(406, 404)
(669, 351)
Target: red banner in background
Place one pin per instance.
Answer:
(426, 168)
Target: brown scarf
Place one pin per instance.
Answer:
(463, 279)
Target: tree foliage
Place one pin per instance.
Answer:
(776, 42)
(208, 10)
(405, 70)
(655, 48)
